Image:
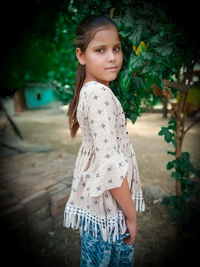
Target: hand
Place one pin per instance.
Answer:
(132, 230)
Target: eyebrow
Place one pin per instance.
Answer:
(105, 45)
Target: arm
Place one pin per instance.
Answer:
(123, 196)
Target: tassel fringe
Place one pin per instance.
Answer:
(73, 217)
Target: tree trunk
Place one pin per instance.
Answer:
(165, 111)
(180, 125)
(179, 235)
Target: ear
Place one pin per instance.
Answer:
(80, 56)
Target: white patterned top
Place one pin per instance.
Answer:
(105, 157)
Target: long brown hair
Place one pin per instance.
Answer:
(84, 34)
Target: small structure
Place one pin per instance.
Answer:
(39, 95)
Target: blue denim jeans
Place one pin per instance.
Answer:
(95, 252)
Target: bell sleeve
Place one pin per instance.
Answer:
(109, 166)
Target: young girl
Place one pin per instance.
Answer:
(106, 190)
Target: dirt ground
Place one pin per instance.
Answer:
(155, 244)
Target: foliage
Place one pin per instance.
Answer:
(149, 42)
(168, 132)
(184, 209)
(38, 59)
(153, 52)
(46, 51)
(28, 35)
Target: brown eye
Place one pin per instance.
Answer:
(100, 50)
(117, 49)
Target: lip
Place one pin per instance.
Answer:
(111, 68)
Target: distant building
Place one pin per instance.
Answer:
(39, 95)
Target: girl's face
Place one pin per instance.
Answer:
(103, 56)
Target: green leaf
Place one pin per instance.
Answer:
(172, 123)
(176, 175)
(118, 21)
(184, 164)
(167, 134)
(158, 60)
(124, 34)
(170, 165)
(137, 83)
(146, 56)
(127, 21)
(147, 70)
(155, 40)
(135, 63)
(164, 51)
(185, 156)
(171, 153)
(136, 37)
(125, 80)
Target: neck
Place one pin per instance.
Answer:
(88, 79)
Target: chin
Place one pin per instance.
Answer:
(108, 79)
(113, 78)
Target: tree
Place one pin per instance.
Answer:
(156, 50)
(27, 35)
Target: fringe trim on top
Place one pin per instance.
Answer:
(74, 216)
(138, 201)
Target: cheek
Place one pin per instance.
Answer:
(95, 59)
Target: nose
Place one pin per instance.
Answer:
(111, 56)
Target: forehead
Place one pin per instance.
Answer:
(105, 36)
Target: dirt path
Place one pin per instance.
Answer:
(155, 241)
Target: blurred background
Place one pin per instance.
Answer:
(158, 86)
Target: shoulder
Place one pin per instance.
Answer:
(95, 90)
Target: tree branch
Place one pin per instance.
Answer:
(178, 86)
(191, 125)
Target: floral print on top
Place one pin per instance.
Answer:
(105, 157)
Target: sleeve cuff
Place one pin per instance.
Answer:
(109, 175)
